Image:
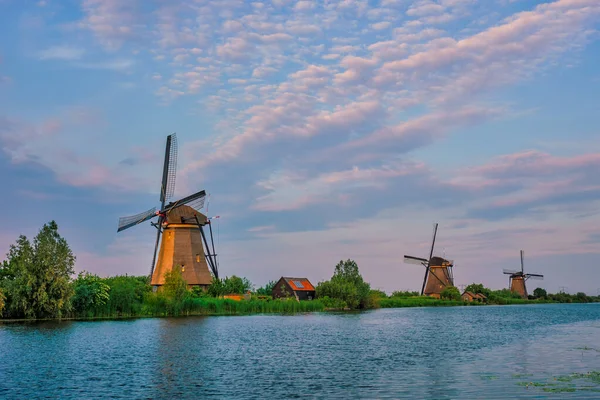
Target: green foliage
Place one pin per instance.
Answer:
(378, 293)
(266, 290)
(216, 288)
(540, 293)
(333, 304)
(229, 285)
(175, 287)
(419, 301)
(158, 305)
(478, 288)
(127, 295)
(398, 293)
(91, 293)
(2, 302)
(36, 277)
(346, 285)
(450, 293)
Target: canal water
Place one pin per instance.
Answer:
(492, 352)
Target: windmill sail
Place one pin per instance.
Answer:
(128, 222)
(167, 187)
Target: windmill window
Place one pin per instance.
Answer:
(198, 258)
(183, 268)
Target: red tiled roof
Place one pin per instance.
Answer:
(303, 281)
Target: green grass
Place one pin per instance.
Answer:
(419, 301)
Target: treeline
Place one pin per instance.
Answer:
(505, 296)
(36, 283)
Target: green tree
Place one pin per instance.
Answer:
(581, 297)
(38, 276)
(347, 285)
(478, 288)
(237, 285)
(175, 287)
(450, 293)
(266, 290)
(126, 294)
(540, 293)
(216, 288)
(90, 293)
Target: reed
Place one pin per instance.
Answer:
(420, 301)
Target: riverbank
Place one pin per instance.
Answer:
(227, 307)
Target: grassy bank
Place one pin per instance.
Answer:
(420, 301)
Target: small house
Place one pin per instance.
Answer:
(469, 296)
(300, 288)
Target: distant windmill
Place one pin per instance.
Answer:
(517, 279)
(181, 225)
(438, 271)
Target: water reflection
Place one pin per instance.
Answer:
(480, 352)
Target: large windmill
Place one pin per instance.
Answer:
(438, 271)
(184, 242)
(516, 280)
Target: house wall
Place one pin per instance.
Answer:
(466, 297)
(305, 294)
(282, 289)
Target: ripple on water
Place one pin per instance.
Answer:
(478, 352)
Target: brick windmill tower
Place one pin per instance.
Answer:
(184, 242)
(516, 280)
(438, 271)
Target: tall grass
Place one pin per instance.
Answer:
(156, 305)
(420, 301)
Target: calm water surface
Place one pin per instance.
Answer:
(432, 353)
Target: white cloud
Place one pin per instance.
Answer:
(61, 53)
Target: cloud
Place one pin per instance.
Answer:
(112, 22)
(112, 65)
(326, 124)
(61, 53)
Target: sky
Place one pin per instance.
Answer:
(323, 130)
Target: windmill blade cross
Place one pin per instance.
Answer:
(128, 222)
(510, 271)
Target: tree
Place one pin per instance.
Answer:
(450, 293)
(216, 288)
(237, 285)
(540, 293)
(90, 293)
(346, 285)
(37, 278)
(266, 290)
(175, 287)
(478, 288)
(581, 297)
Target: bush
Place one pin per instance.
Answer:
(346, 285)
(450, 293)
